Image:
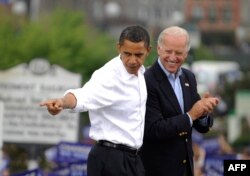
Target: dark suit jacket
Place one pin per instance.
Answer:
(167, 146)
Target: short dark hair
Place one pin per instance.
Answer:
(135, 34)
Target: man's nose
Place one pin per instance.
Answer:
(133, 59)
(172, 54)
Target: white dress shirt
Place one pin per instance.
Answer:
(116, 102)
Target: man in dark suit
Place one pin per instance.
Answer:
(174, 107)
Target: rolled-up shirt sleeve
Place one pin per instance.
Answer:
(95, 94)
(79, 101)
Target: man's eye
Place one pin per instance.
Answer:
(139, 55)
(127, 54)
(178, 53)
(168, 52)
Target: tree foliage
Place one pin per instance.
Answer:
(203, 53)
(63, 38)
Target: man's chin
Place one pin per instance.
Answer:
(132, 71)
(172, 69)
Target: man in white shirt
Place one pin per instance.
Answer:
(115, 98)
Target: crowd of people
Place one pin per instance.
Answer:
(210, 153)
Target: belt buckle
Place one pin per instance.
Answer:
(133, 150)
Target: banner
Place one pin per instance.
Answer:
(71, 152)
(214, 164)
(78, 168)
(211, 146)
(35, 172)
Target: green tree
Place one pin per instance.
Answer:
(203, 53)
(64, 38)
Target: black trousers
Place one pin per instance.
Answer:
(107, 161)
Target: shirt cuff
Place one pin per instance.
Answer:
(78, 107)
(190, 119)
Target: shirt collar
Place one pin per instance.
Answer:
(168, 74)
(125, 73)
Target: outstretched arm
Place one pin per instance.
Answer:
(55, 106)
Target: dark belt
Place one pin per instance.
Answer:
(118, 146)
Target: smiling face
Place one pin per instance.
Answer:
(133, 55)
(172, 51)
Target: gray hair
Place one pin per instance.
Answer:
(176, 31)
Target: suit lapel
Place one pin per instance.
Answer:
(185, 90)
(166, 87)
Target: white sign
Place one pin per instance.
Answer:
(242, 103)
(22, 88)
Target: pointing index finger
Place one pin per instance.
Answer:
(46, 103)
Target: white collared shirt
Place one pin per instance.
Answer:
(116, 102)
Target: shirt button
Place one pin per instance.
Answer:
(186, 139)
(184, 161)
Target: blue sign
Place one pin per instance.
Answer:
(211, 146)
(214, 164)
(35, 172)
(70, 152)
(4, 1)
(71, 169)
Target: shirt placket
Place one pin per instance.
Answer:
(177, 89)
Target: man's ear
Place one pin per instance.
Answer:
(149, 49)
(118, 47)
(158, 49)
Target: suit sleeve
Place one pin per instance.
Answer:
(204, 123)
